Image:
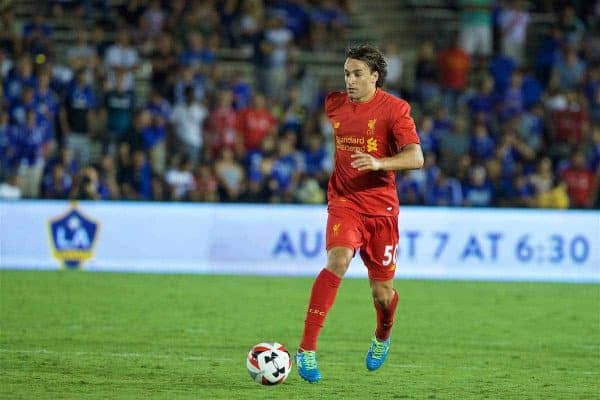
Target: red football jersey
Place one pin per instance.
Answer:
(580, 184)
(255, 124)
(380, 127)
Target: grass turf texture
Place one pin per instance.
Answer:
(80, 335)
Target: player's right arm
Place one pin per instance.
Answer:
(409, 157)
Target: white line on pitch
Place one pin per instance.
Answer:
(115, 355)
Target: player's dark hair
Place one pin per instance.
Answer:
(371, 56)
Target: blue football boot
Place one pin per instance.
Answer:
(306, 362)
(377, 354)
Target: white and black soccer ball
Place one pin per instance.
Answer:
(269, 363)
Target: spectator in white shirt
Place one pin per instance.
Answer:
(121, 56)
(10, 189)
(82, 54)
(188, 120)
(513, 25)
(278, 40)
(179, 177)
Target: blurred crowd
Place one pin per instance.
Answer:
(508, 122)
(500, 125)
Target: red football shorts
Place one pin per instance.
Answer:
(375, 236)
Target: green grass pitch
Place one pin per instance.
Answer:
(81, 335)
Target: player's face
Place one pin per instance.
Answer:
(360, 81)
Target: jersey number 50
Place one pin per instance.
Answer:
(389, 253)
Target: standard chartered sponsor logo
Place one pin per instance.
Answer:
(353, 144)
(350, 139)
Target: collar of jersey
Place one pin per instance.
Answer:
(364, 103)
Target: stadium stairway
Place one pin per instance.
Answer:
(321, 65)
(408, 23)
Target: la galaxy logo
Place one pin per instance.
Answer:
(72, 238)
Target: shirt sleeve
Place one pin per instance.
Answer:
(332, 101)
(403, 128)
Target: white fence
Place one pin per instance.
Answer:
(444, 243)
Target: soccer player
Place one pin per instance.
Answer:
(374, 136)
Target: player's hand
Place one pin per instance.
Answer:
(365, 162)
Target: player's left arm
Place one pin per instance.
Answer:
(409, 157)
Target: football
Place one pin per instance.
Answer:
(269, 363)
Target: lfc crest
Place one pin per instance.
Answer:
(371, 126)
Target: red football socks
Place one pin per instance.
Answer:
(322, 297)
(385, 318)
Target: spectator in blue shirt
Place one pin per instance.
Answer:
(19, 107)
(287, 167)
(189, 78)
(442, 124)
(76, 117)
(317, 159)
(46, 100)
(327, 13)
(531, 127)
(573, 28)
(195, 54)
(455, 144)
(153, 132)
(513, 100)
(108, 188)
(532, 90)
(8, 145)
(408, 189)
(430, 169)
(137, 181)
(522, 192)
(57, 184)
(242, 91)
(594, 162)
(484, 100)
(19, 77)
(569, 69)
(482, 145)
(501, 68)
(37, 35)
(445, 191)
(33, 145)
(158, 106)
(429, 142)
(63, 156)
(296, 17)
(546, 54)
(255, 159)
(510, 152)
(477, 191)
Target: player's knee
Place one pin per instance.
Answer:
(382, 294)
(338, 266)
(338, 261)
